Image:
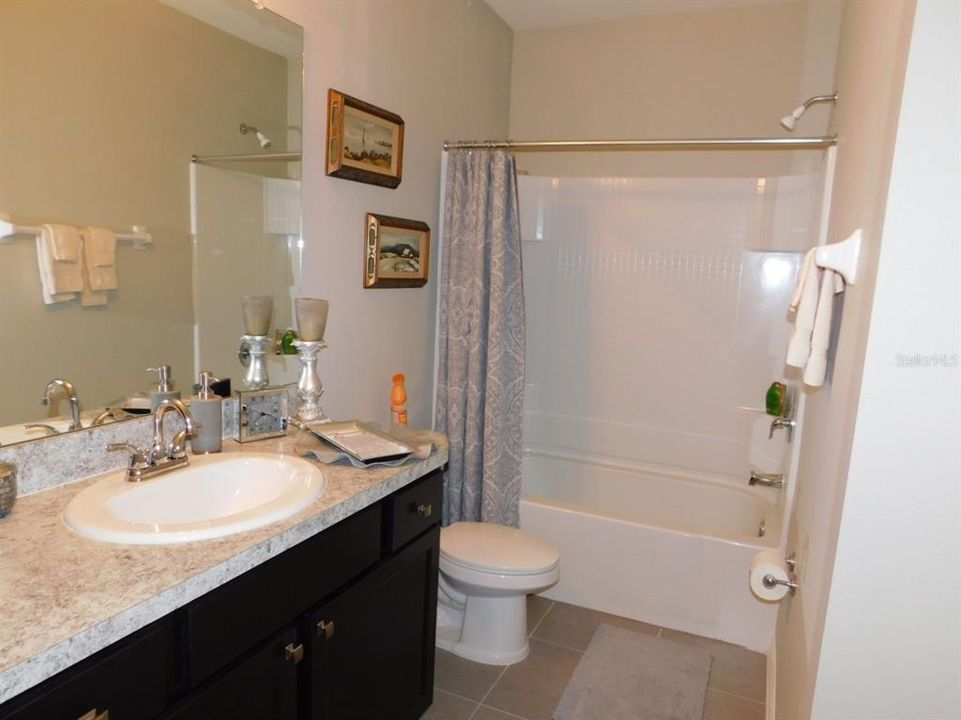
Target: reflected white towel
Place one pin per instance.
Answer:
(60, 280)
(64, 243)
(100, 258)
(804, 304)
(817, 364)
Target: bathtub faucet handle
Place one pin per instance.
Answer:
(782, 423)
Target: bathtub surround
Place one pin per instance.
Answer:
(480, 378)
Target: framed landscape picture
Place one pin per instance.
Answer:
(396, 252)
(365, 143)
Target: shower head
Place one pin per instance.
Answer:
(789, 121)
(261, 138)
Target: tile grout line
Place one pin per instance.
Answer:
(489, 691)
(560, 645)
(543, 617)
(734, 695)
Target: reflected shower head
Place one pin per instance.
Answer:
(261, 138)
(789, 121)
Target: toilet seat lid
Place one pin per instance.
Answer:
(489, 547)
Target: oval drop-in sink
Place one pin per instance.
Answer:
(215, 495)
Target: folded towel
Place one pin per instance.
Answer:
(817, 364)
(804, 304)
(60, 280)
(64, 243)
(100, 256)
(88, 295)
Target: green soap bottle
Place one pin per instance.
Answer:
(775, 401)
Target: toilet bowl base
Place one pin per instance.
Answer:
(494, 630)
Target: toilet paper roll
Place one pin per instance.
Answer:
(768, 562)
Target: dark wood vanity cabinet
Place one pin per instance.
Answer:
(339, 627)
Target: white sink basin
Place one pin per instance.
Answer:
(215, 495)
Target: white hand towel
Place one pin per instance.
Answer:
(804, 304)
(100, 256)
(817, 364)
(59, 279)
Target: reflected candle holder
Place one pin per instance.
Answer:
(253, 356)
(257, 311)
(309, 387)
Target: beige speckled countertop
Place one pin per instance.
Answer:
(64, 597)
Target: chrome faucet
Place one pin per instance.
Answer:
(161, 457)
(71, 392)
(766, 479)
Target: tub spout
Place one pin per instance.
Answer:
(766, 479)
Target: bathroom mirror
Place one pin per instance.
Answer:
(103, 105)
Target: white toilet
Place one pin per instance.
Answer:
(486, 572)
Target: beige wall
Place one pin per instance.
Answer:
(892, 634)
(871, 60)
(731, 72)
(101, 108)
(445, 68)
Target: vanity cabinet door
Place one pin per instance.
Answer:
(133, 678)
(261, 686)
(370, 651)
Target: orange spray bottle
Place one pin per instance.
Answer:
(398, 401)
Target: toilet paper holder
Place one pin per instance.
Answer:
(791, 583)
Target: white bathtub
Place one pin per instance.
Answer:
(661, 546)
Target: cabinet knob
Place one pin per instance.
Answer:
(94, 714)
(294, 652)
(325, 629)
(425, 510)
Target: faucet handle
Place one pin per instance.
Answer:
(782, 424)
(137, 456)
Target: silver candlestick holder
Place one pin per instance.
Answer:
(253, 356)
(309, 387)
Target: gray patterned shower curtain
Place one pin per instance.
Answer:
(480, 380)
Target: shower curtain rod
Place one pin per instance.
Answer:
(764, 143)
(288, 156)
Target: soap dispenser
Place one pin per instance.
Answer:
(206, 408)
(164, 389)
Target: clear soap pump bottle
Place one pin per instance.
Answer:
(207, 412)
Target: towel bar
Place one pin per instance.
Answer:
(842, 257)
(139, 239)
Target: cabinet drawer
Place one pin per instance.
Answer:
(412, 510)
(134, 678)
(230, 620)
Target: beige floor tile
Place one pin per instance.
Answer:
(536, 609)
(735, 670)
(574, 626)
(449, 707)
(462, 677)
(721, 706)
(488, 713)
(532, 688)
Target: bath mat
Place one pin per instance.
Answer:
(625, 675)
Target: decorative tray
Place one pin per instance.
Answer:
(362, 441)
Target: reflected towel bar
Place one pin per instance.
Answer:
(139, 239)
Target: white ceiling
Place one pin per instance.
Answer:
(531, 14)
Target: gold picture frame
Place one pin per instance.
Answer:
(365, 143)
(396, 252)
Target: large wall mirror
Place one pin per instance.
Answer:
(103, 104)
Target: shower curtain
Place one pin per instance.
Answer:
(480, 379)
